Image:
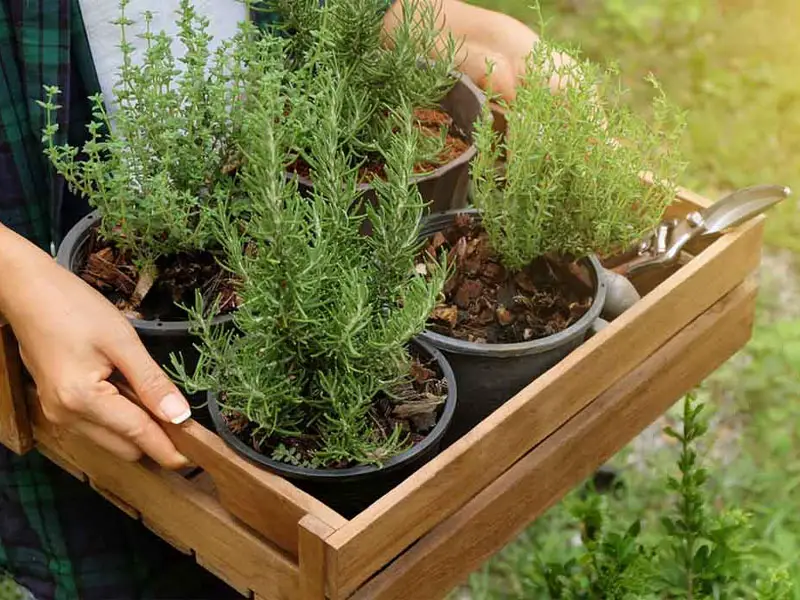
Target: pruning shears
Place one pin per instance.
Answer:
(663, 246)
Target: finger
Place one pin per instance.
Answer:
(122, 417)
(152, 386)
(108, 440)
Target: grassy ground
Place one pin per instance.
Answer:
(732, 65)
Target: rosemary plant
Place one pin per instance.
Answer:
(326, 313)
(378, 73)
(164, 148)
(572, 180)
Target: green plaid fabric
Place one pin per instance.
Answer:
(41, 42)
(62, 541)
(34, 47)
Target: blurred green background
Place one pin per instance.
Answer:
(734, 65)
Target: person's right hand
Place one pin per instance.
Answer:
(72, 340)
(483, 36)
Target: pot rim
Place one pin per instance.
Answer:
(340, 475)
(73, 242)
(464, 157)
(537, 346)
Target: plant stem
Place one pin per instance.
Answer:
(147, 278)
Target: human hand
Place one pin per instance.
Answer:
(74, 342)
(489, 37)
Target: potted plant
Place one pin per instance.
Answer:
(379, 74)
(160, 153)
(319, 379)
(564, 185)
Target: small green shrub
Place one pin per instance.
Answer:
(326, 312)
(165, 149)
(571, 183)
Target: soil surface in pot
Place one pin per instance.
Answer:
(485, 303)
(414, 408)
(431, 123)
(112, 272)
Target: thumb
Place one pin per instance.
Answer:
(151, 385)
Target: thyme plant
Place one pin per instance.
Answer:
(164, 149)
(326, 313)
(571, 184)
(378, 73)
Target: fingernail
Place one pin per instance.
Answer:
(175, 408)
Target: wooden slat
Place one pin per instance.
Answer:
(203, 481)
(62, 463)
(459, 545)
(171, 504)
(269, 504)
(15, 429)
(442, 486)
(167, 536)
(221, 571)
(116, 501)
(313, 534)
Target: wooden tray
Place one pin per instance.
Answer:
(270, 540)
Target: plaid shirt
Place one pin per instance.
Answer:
(58, 538)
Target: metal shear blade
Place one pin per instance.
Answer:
(663, 247)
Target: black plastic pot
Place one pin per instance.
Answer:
(490, 374)
(159, 337)
(349, 491)
(446, 187)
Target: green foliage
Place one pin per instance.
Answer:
(758, 388)
(660, 24)
(163, 150)
(9, 590)
(571, 184)
(326, 312)
(377, 73)
(702, 555)
(775, 586)
(292, 456)
(695, 550)
(615, 566)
